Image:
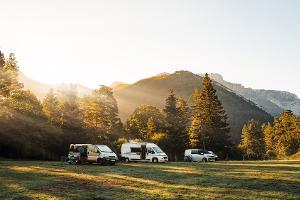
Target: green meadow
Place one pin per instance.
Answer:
(219, 180)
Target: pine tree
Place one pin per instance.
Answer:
(195, 128)
(70, 117)
(172, 129)
(51, 108)
(209, 128)
(2, 60)
(9, 72)
(252, 142)
(177, 119)
(100, 112)
(183, 122)
(269, 140)
(287, 136)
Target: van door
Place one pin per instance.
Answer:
(150, 153)
(93, 153)
(135, 153)
(196, 156)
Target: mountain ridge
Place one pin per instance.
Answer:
(272, 101)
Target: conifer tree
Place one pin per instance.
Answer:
(183, 122)
(2, 60)
(177, 119)
(287, 135)
(9, 72)
(100, 112)
(209, 128)
(252, 143)
(172, 129)
(51, 107)
(269, 140)
(70, 117)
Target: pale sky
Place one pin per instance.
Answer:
(253, 42)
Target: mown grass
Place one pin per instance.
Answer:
(220, 180)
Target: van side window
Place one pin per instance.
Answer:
(92, 149)
(194, 151)
(135, 149)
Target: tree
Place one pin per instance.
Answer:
(252, 143)
(195, 128)
(9, 76)
(269, 140)
(100, 113)
(177, 118)
(71, 118)
(209, 127)
(2, 60)
(183, 122)
(27, 103)
(150, 127)
(171, 114)
(137, 123)
(286, 134)
(51, 108)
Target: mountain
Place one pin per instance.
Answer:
(41, 89)
(272, 101)
(154, 90)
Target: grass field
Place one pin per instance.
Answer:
(220, 180)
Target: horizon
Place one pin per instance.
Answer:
(251, 43)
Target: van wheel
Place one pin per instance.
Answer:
(100, 161)
(127, 160)
(188, 159)
(204, 160)
(155, 160)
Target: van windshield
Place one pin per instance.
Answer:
(104, 148)
(157, 150)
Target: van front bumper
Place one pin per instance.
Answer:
(163, 159)
(109, 160)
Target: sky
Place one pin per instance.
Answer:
(93, 42)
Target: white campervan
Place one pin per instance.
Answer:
(142, 151)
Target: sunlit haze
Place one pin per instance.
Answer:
(255, 43)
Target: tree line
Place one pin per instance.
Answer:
(30, 128)
(272, 140)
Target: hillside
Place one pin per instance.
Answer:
(272, 101)
(154, 90)
(41, 89)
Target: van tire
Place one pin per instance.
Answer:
(100, 161)
(204, 160)
(188, 159)
(154, 160)
(127, 160)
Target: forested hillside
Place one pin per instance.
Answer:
(154, 90)
(177, 111)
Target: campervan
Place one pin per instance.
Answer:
(90, 153)
(142, 151)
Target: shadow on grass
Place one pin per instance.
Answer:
(155, 181)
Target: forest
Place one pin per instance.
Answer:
(34, 129)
